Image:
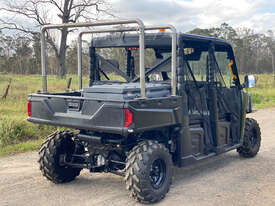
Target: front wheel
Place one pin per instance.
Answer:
(148, 171)
(252, 139)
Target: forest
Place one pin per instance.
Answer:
(20, 54)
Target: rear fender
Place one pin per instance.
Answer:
(155, 113)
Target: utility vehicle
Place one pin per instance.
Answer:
(176, 99)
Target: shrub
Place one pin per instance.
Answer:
(15, 130)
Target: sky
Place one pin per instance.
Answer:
(189, 14)
(186, 15)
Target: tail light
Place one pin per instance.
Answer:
(128, 117)
(29, 109)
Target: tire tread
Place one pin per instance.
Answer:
(49, 158)
(135, 178)
(245, 150)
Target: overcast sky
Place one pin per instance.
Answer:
(189, 14)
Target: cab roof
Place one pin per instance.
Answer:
(159, 40)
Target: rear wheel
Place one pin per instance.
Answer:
(59, 143)
(148, 172)
(252, 139)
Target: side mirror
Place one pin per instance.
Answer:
(249, 81)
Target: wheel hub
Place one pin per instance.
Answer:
(157, 173)
(253, 139)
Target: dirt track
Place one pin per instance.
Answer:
(222, 180)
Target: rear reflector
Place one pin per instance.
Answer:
(128, 116)
(29, 109)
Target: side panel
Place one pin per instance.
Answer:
(230, 103)
(197, 140)
(155, 113)
(224, 137)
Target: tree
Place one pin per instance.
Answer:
(271, 47)
(36, 50)
(72, 58)
(7, 46)
(252, 50)
(203, 32)
(41, 12)
(23, 54)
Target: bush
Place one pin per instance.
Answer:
(16, 130)
(257, 98)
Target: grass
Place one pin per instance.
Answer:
(18, 135)
(21, 147)
(263, 95)
(21, 86)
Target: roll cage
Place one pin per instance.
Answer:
(177, 40)
(140, 28)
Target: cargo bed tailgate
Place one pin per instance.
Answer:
(77, 112)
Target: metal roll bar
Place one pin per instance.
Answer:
(79, 48)
(142, 82)
(100, 23)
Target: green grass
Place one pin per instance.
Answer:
(263, 95)
(14, 130)
(20, 147)
(18, 135)
(21, 86)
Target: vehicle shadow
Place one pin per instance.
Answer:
(184, 174)
(113, 187)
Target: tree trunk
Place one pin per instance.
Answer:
(61, 67)
(61, 57)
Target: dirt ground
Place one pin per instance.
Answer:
(223, 180)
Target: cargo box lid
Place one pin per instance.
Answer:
(123, 87)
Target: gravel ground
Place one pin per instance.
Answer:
(223, 180)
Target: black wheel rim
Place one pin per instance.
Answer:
(157, 173)
(253, 139)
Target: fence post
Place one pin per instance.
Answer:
(69, 84)
(7, 90)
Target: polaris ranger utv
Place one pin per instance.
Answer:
(188, 105)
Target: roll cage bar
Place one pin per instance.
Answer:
(140, 28)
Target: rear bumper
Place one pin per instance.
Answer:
(77, 125)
